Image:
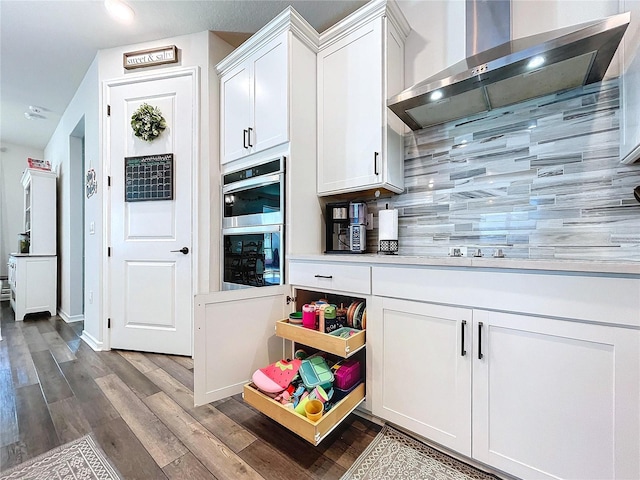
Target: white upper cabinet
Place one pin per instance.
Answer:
(629, 81)
(255, 102)
(360, 65)
(236, 113)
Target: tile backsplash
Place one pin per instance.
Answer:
(540, 179)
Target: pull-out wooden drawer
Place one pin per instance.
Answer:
(313, 432)
(343, 347)
(331, 276)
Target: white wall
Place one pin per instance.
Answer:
(82, 108)
(437, 39)
(204, 50)
(13, 161)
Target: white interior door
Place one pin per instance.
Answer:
(151, 300)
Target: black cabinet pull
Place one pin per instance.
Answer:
(463, 352)
(375, 163)
(324, 276)
(480, 355)
(249, 136)
(244, 138)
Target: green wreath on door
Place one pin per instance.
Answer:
(147, 122)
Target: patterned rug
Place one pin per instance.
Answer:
(81, 459)
(394, 455)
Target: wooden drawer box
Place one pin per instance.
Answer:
(331, 276)
(313, 432)
(343, 347)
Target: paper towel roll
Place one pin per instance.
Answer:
(388, 224)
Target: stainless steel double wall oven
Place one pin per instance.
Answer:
(253, 225)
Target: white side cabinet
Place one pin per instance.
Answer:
(360, 65)
(33, 282)
(40, 210)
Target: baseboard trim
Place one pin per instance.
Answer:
(70, 319)
(92, 342)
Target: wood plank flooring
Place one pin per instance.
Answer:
(139, 407)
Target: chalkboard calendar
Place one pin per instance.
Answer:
(148, 178)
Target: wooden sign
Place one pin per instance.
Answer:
(148, 178)
(148, 58)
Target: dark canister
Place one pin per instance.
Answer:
(334, 318)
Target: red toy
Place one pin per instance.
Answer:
(277, 376)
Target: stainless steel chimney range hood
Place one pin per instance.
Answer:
(512, 72)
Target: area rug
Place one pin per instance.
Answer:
(81, 459)
(394, 455)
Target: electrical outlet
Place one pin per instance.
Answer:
(90, 296)
(92, 228)
(457, 251)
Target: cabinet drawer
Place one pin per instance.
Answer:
(343, 347)
(313, 432)
(327, 276)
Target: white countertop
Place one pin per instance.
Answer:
(585, 266)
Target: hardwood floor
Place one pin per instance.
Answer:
(139, 406)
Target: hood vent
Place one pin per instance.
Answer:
(512, 72)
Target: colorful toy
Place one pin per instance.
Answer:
(314, 371)
(277, 376)
(347, 374)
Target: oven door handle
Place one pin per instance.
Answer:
(253, 183)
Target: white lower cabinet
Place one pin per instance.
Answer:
(239, 331)
(422, 369)
(33, 283)
(532, 396)
(555, 398)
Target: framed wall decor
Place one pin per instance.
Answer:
(91, 182)
(149, 177)
(150, 57)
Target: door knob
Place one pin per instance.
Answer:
(183, 250)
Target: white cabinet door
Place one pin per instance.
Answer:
(421, 359)
(270, 99)
(350, 106)
(555, 399)
(234, 335)
(236, 112)
(255, 102)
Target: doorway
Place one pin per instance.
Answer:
(77, 167)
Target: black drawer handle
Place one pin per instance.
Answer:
(244, 138)
(375, 163)
(324, 276)
(480, 355)
(249, 136)
(463, 352)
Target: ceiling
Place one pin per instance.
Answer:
(47, 46)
